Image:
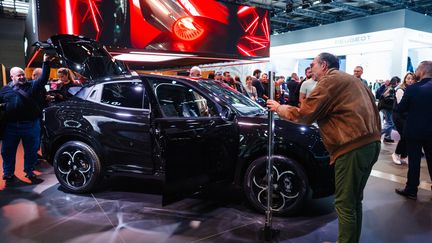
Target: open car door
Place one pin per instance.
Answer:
(199, 146)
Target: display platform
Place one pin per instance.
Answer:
(129, 210)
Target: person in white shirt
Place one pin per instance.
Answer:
(307, 86)
(401, 154)
(250, 89)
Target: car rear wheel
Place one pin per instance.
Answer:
(289, 184)
(77, 167)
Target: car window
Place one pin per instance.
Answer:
(241, 103)
(124, 94)
(178, 100)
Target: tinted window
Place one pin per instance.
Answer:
(178, 100)
(124, 94)
(237, 100)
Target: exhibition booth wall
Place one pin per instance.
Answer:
(385, 45)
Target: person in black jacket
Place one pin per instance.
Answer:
(293, 83)
(379, 92)
(385, 105)
(20, 100)
(417, 101)
(258, 85)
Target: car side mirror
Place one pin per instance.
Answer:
(228, 113)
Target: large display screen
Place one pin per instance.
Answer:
(207, 27)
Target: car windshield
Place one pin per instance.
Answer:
(242, 104)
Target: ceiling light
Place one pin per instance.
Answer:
(162, 54)
(145, 58)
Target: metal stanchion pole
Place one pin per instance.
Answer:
(268, 233)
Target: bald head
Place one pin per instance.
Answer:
(37, 72)
(424, 70)
(17, 76)
(195, 72)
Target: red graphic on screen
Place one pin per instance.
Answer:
(256, 28)
(187, 29)
(75, 13)
(194, 26)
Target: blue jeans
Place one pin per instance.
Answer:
(388, 124)
(29, 133)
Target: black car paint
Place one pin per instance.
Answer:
(185, 152)
(227, 146)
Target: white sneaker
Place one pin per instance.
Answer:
(396, 159)
(404, 160)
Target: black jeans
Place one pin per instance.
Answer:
(399, 123)
(414, 158)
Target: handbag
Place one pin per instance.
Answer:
(387, 102)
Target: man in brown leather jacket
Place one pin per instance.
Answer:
(350, 127)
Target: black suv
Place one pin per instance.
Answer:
(185, 132)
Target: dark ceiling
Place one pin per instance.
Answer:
(289, 15)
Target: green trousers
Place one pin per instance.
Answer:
(352, 171)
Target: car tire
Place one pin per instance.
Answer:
(77, 167)
(290, 185)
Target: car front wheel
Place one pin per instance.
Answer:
(289, 184)
(77, 167)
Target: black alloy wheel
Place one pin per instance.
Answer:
(289, 181)
(77, 167)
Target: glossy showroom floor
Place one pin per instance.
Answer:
(129, 211)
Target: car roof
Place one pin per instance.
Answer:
(185, 79)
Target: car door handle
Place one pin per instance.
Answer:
(210, 124)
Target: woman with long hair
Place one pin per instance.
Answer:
(400, 155)
(250, 89)
(66, 80)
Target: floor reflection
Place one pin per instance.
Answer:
(129, 210)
